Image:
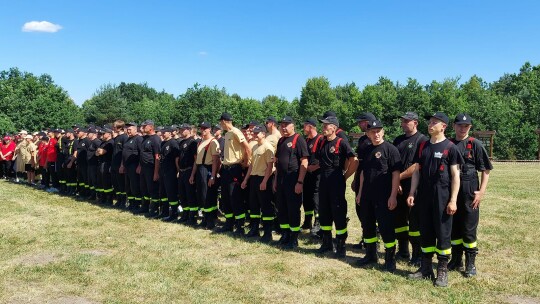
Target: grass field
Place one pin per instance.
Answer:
(57, 250)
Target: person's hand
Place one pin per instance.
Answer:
(478, 195)
(392, 203)
(191, 180)
(410, 200)
(451, 208)
(298, 188)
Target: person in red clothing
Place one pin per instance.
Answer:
(42, 159)
(51, 162)
(6, 157)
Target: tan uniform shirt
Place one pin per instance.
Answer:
(234, 152)
(273, 139)
(213, 149)
(262, 155)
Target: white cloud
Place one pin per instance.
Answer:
(41, 26)
(203, 53)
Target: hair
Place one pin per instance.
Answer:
(119, 124)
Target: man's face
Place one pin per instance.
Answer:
(328, 129)
(186, 133)
(287, 128)
(167, 135)
(131, 131)
(205, 131)
(107, 136)
(462, 130)
(436, 126)
(217, 132)
(408, 126)
(363, 125)
(376, 135)
(269, 125)
(259, 136)
(307, 129)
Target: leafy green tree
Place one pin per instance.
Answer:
(316, 98)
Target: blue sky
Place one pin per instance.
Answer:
(257, 48)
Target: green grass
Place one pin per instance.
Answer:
(55, 249)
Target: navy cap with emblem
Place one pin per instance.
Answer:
(131, 124)
(366, 116)
(226, 116)
(106, 130)
(91, 130)
(328, 114)
(253, 123)
(205, 125)
(375, 124)
(286, 119)
(311, 121)
(258, 129)
(463, 119)
(438, 115)
(330, 120)
(409, 116)
(168, 129)
(271, 119)
(217, 127)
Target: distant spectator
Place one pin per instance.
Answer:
(6, 157)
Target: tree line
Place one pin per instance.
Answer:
(510, 106)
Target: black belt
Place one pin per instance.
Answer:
(231, 166)
(186, 169)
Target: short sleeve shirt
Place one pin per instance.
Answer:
(150, 147)
(108, 146)
(435, 160)
(288, 155)
(234, 152)
(475, 158)
(168, 154)
(211, 147)
(131, 150)
(334, 153)
(379, 163)
(188, 151)
(119, 142)
(262, 155)
(273, 139)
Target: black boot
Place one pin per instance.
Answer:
(143, 209)
(327, 245)
(470, 257)
(227, 227)
(308, 219)
(210, 219)
(153, 209)
(285, 237)
(426, 268)
(316, 229)
(293, 241)
(442, 271)
(390, 259)
(341, 251)
(185, 216)
(403, 248)
(254, 231)
(416, 256)
(134, 205)
(164, 210)
(192, 217)
(267, 235)
(239, 228)
(204, 221)
(456, 262)
(371, 255)
(173, 214)
(108, 199)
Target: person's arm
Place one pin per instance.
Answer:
(247, 153)
(193, 171)
(216, 163)
(298, 188)
(246, 178)
(351, 164)
(452, 204)
(478, 195)
(392, 200)
(267, 174)
(360, 185)
(415, 179)
(156, 167)
(408, 172)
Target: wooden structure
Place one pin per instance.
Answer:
(353, 138)
(486, 137)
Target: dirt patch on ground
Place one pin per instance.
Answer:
(40, 259)
(522, 300)
(61, 300)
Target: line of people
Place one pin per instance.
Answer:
(418, 190)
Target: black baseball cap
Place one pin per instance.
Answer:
(258, 129)
(168, 129)
(328, 114)
(205, 125)
(184, 126)
(217, 127)
(311, 121)
(131, 124)
(106, 130)
(463, 119)
(375, 124)
(366, 116)
(226, 116)
(271, 118)
(409, 116)
(147, 122)
(330, 120)
(91, 130)
(287, 119)
(438, 115)
(253, 123)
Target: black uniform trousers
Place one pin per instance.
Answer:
(260, 202)
(132, 183)
(6, 168)
(60, 171)
(288, 201)
(186, 191)
(402, 211)
(435, 223)
(52, 175)
(149, 187)
(332, 202)
(168, 186)
(373, 212)
(82, 175)
(104, 181)
(118, 182)
(311, 193)
(71, 175)
(231, 192)
(91, 179)
(206, 196)
(465, 221)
